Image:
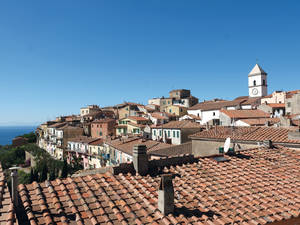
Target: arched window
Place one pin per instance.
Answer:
(254, 83)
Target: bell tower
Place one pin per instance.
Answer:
(257, 82)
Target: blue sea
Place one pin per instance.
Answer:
(7, 133)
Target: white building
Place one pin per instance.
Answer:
(175, 132)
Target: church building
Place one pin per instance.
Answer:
(257, 82)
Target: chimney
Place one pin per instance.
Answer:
(166, 194)
(140, 159)
(268, 143)
(14, 185)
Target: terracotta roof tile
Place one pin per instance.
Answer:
(245, 114)
(261, 121)
(241, 191)
(7, 214)
(126, 145)
(279, 135)
(137, 118)
(180, 125)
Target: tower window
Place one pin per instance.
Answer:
(264, 82)
(254, 83)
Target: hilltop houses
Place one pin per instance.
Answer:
(96, 134)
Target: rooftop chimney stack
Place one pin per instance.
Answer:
(268, 143)
(166, 194)
(140, 159)
(14, 185)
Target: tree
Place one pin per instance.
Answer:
(35, 175)
(24, 178)
(31, 177)
(44, 172)
(52, 175)
(64, 172)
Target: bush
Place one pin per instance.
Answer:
(24, 178)
(31, 137)
(12, 157)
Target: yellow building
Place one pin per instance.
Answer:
(131, 125)
(176, 110)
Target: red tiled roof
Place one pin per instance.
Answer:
(244, 114)
(260, 189)
(219, 104)
(106, 120)
(290, 94)
(191, 116)
(126, 145)
(180, 125)
(158, 115)
(96, 142)
(277, 105)
(57, 125)
(137, 125)
(275, 134)
(83, 139)
(7, 214)
(138, 118)
(261, 121)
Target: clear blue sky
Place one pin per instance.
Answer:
(57, 56)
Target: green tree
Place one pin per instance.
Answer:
(44, 172)
(31, 177)
(35, 175)
(24, 178)
(64, 172)
(31, 137)
(52, 175)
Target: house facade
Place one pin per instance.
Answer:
(176, 110)
(89, 109)
(230, 117)
(175, 132)
(103, 128)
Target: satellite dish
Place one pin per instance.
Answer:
(227, 145)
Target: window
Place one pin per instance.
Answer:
(178, 134)
(288, 104)
(169, 102)
(169, 133)
(264, 82)
(254, 83)
(164, 102)
(159, 132)
(170, 110)
(176, 93)
(214, 113)
(154, 132)
(100, 133)
(173, 133)
(180, 110)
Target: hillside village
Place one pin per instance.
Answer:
(173, 161)
(105, 136)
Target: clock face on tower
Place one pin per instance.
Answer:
(254, 91)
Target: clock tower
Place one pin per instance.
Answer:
(257, 82)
